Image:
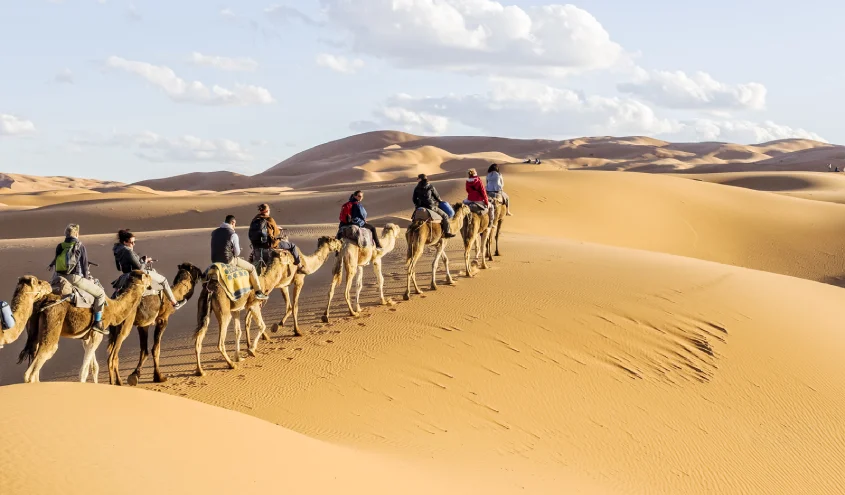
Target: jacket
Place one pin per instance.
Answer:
(495, 182)
(126, 259)
(425, 196)
(225, 245)
(475, 190)
(358, 214)
(272, 230)
(82, 265)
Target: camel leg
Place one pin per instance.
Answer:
(114, 355)
(437, 255)
(380, 279)
(449, 279)
(298, 282)
(45, 351)
(143, 336)
(350, 277)
(259, 319)
(336, 276)
(467, 250)
(89, 345)
(288, 310)
(158, 376)
(223, 321)
(498, 231)
(236, 318)
(481, 249)
(359, 286)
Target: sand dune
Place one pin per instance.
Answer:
(30, 183)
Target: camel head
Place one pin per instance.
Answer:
(190, 273)
(138, 278)
(390, 227)
(30, 285)
(335, 245)
(461, 209)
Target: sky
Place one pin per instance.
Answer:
(132, 90)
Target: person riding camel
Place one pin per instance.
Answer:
(264, 235)
(495, 186)
(226, 248)
(425, 196)
(126, 260)
(71, 263)
(353, 213)
(476, 193)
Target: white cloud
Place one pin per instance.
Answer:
(476, 35)
(224, 63)
(402, 119)
(187, 148)
(11, 125)
(739, 131)
(183, 91)
(228, 14)
(339, 64)
(284, 13)
(64, 76)
(698, 91)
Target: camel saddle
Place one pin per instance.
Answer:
(234, 280)
(477, 207)
(362, 237)
(79, 298)
(155, 288)
(496, 197)
(426, 215)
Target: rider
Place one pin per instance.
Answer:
(495, 186)
(226, 248)
(272, 240)
(71, 263)
(425, 196)
(476, 192)
(126, 260)
(358, 216)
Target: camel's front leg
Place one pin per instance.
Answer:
(89, 346)
(255, 310)
(350, 269)
(359, 286)
(449, 279)
(336, 276)
(223, 321)
(236, 318)
(143, 336)
(298, 282)
(114, 356)
(481, 249)
(158, 376)
(288, 309)
(380, 278)
(200, 336)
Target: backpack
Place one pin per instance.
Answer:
(346, 211)
(259, 235)
(68, 258)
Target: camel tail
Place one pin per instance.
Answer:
(31, 346)
(203, 310)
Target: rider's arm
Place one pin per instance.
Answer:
(236, 245)
(83, 260)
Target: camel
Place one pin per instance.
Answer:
(475, 231)
(153, 310)
(325, 246)
(214, 299)
(421, 234)
(496, 229)
(352, 259)
(65, 320)
(29, 291)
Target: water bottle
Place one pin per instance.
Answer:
(6, 317)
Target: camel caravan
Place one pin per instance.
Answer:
(74, 305)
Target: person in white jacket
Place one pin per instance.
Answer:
(495, 186)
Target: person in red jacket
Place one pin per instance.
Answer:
(477, 193)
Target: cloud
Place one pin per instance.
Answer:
(284, 13)
(698, 91)
(228, 14)
(65, 76)
(224, 63)
(195, 92)
(339, 64)
(523, 108)
(479, 36)
(11, 125)
(187, 148)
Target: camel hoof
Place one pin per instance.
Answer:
(264, 336)
(296, 333)
(200, 372)
(407, 296)
(233, 366)
(388, 302)
(159, 378)
(433, 287)
(237, 359)
(451, 282)
(325, 318)
(358, 309)
(251, 352)
(132, 380)
(274, 328)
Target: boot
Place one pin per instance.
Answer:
(179, 304)
(447, 229)
(98, 323)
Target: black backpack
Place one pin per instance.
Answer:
(259, 235)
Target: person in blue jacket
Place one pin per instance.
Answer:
(357, 215)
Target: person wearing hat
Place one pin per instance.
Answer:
(425, 196)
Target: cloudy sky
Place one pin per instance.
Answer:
(128, 90)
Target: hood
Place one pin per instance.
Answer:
(117, 248)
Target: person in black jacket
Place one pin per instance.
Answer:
(425, 196)
(126, 260)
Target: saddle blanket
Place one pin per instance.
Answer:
(80, 299)
(424, 214)
(234, 280)
(362, 237)
(476, 207)
(121, 282)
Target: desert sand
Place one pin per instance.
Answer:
(672, 332)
